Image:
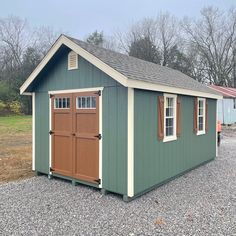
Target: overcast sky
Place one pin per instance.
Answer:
(81, 17)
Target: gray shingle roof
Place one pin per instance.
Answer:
(137, 69)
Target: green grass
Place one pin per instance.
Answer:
(15, 124)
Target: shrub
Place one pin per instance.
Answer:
(15, 107)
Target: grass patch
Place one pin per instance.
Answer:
(15, 124)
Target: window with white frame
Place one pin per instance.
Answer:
(201, 115)
(62, 103)
(169, 117)
(86, 102)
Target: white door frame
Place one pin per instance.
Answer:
(100, 123)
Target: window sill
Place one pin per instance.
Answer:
(170, 138)
(201, 132)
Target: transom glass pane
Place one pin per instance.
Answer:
(86, 102)
(61, 103)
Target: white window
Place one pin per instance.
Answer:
(72, 60)
(86, 102)
(169, 117)
(234, 101)
(62, 103)
(201, 119)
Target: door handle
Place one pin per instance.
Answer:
(99, 136)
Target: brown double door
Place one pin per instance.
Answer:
(75, 135)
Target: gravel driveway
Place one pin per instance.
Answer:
(202, 202)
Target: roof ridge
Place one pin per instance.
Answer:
(128, 56)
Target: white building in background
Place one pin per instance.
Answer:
(226, 106)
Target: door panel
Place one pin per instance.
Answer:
(86, 127)
(62, 129)
(75, 126)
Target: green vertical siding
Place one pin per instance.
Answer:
(155, 161)
(55, 76)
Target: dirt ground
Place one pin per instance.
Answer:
(15, 151)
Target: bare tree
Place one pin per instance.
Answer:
(213, 35)
(167, 36)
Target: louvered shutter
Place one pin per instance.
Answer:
(206, 116)
(160, 112)
(195, 115)
(178, 118)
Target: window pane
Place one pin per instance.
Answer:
(56, 103)
(83, 102)
(68, 102)
(64, 103)
(200, 123)
(59, 103)
(93, 102)
(88, 102)
(169, 111)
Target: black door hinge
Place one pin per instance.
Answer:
(51, 132)
(51, 95)
(99, 136)
(99, 92)
(98, 181)
(51, 169)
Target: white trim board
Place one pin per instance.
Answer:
(76, 90)
(100, 123)
(33, 131)
(63, 40)
(130, 146)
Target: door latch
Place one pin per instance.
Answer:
(99, 136)
(98, 181)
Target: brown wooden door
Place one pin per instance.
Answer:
(62, 129)
(86, 144)
(75, 130)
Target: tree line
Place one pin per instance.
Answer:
(203, 48)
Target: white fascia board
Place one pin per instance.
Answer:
(109, 71)
(167, 89)
(80, 51)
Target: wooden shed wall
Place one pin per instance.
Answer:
(114, 111)
(155, 161)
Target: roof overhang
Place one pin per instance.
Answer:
(63, 40)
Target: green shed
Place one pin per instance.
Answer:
(116, 122)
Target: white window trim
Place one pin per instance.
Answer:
(201, 132)
(174, 136)
(76, 61)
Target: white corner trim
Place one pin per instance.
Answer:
(76, 90)
(174, 136)
(33, 131)
(130, 134)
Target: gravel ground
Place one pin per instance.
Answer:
(202, 202)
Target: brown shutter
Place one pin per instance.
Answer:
(206, 115)
(160, 112)
(195, 115)
(178, 120)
